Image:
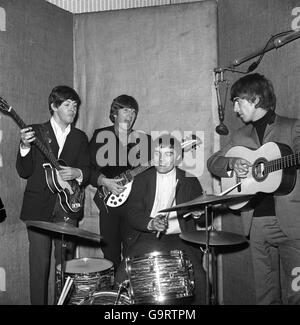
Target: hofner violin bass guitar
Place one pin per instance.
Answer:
(272, 171)
(71, 195)
(113, 201)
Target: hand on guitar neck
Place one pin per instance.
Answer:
(27, 137)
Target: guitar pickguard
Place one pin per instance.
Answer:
(115, 201)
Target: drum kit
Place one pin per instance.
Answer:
(154, 278)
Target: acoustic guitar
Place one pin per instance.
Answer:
(272, 171)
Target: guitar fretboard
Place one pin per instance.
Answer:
(282, 163)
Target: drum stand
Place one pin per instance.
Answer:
(211, 288)
(62, 264)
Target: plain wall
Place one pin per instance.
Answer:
(244, 27)
(36, 55)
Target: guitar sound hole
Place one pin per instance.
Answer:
(259, 171)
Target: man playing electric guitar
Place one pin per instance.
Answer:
(273, 224)
(40, 203)
(113, 150)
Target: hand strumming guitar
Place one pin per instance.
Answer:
(112, 184)
(240, 166)
(69, 173)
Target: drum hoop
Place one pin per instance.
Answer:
(111, 293)
(175, 253)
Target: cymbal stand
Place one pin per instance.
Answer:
(62, 262)
(211, 288)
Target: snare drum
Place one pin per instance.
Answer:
(107, 298)
(89, 275)
(160, 277)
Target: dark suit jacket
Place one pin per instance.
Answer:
(105, 142)
(141, 200)
(38, 200)
(283, 130)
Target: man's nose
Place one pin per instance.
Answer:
(236, 107)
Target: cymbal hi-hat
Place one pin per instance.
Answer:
(208, 199)
(215, 238)
(64, 228)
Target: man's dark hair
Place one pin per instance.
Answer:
(252, 86)
(120, 102)
(168, 140)
(61, 93)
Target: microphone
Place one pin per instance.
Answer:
(277, 42)
(221, 128)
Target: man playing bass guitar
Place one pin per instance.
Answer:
(57, 138)
(272, 223)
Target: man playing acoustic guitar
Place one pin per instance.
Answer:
(41, 144)
(272, 222)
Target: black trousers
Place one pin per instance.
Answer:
(114, 230)
(40, 247)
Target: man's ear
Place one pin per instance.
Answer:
(53, 107)
(256, 101)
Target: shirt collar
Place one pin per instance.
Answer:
(170, 174)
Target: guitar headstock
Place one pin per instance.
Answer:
(4, 107)
(190, 143)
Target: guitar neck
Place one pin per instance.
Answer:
(138, 170)
(283, 162)
(131, 173)
(48, 154)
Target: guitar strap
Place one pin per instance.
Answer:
(45, 138)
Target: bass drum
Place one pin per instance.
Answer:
(107, 298)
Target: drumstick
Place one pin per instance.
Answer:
(67, 288)
(65, 291)
(170, 205)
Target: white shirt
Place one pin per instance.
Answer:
(165, 198)
(60, 134)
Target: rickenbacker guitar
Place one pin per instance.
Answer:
(71, 195)
(272, 171)
(113, 201)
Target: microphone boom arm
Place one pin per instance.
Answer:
(277, 42)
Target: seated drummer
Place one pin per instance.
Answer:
(158, 188)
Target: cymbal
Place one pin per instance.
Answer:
(64, 228)
(216, 238)
(207, 199)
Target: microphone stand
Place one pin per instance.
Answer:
(219, 79)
